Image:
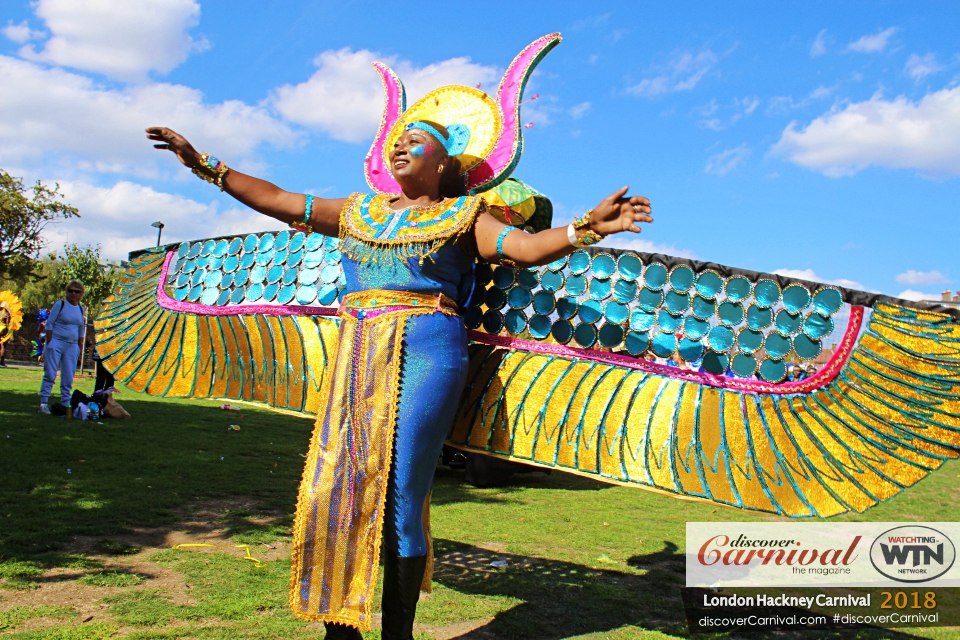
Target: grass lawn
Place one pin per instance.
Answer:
(90, 512)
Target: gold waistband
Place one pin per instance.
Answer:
(384, 299)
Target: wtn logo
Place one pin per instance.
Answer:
(912, 554)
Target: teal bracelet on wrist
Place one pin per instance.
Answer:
(505, 261)
(304, 225)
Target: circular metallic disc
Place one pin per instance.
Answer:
(641, 320)
(695, 328)
(306, 294)
(237, 296)
(270, 291)
(207, 248)
(265, 257)
(676, 302)
(709, 284)
(287, 292)
(492, 321)
(197, 278)
(289, 276)
(189, 266)
(333, 256)
(250, 243)
(590, 311)
(567, 307)
(223, 298)
(231, 264)
(236, 246)
(308, 276)
(330, 273)
(331, 243)
(616, 312)
(528, 279)
(280, 257)
(202, 262)
(551, 281)
(181, 293)
(766, 293)
(787, 324)
(690, 350)
(293, 258)
(519, 298)
(576, 285)
(818, 326)
(715, 363)
(241, 278)
(650, 299)
(796, 297)
(183, 280)
(515, 321)
(312, 259)
(296, 242)
(681, 278)
(283, 238)
(668, 322)
(254, 292)
(599, 289)
(558, 264)
(704, 308)
(473, 317)
(738, 288)
(625, 291)
(758, 317)
(544, 302)
(720, 338)
(743, 366)
(214, 263)
(585, 334)
(610, 335)
(629, 267)
(749, 340)
(636, 342)
(777, 346)
(579, 262)
(603, 265)
(773, 370)
(504, 277)
(495, 298)
(806, 348)
(247, 260)
(183, 249)
(483, 274)
(220, 250)
(314, 241)
(827, 301)
(209, 296)
(327, 294)
(274, 274)
(562, 331)
(195, 249)
(540, 326)
(730, 313)
(655, 276)
(266, 243)
(664, 344)
(227, 281)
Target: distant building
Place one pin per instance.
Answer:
(947, 298)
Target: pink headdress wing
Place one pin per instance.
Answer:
(375, 167)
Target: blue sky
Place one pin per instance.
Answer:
(818, 138)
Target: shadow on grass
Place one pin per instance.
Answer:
(564, 599)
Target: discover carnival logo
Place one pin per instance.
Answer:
(912, 553)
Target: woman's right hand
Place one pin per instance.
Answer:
(175, 142)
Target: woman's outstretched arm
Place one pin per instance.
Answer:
(259, 195)
(614, 214)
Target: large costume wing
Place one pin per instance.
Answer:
(558, 380)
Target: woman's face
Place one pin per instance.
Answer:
(416, 155)
(74, 294)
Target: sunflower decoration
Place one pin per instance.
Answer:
(11, 315)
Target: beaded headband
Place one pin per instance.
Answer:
(455, 145)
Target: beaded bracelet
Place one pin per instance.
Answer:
(589, 236)
(215, 166)
(504, 260)
(304, 225)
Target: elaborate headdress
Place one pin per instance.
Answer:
(486, 133)
(11, 315)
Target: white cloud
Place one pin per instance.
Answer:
(46, 113)
(344, 97)
(822, 92)
(912, 294)
(20, 33)
(897, 134)
(922, 277)
(809, 274)
(123, 40)
(872, 44)
(119, 217)
(919, 67)
(579, 110)
(742, 107)
(819, 46)
(630, 242)
(726, 161)
(680, 74)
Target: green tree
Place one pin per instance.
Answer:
(83, 264)
(23, 218)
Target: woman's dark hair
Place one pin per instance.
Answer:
(452, 184)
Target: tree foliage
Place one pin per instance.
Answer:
(24, 214)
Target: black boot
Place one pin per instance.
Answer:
(401, 591)
(341, 632)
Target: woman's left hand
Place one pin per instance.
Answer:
(617, 213)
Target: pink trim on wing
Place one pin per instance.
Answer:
(166, 302)
(508, 97)
(377, 172)
(823, 377)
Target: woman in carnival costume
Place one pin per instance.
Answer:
(408, 256)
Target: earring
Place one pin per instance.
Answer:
(440, 168)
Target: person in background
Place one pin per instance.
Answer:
(4, 330)
(64, 335)
(105, 379)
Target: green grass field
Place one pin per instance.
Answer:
(89, 514)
